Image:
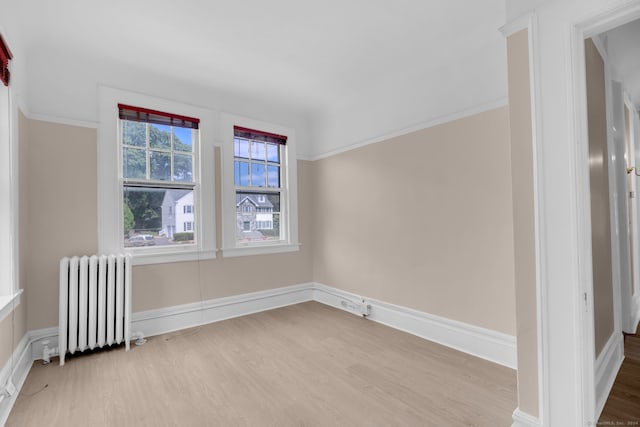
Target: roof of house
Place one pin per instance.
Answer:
(172, 196)
(253, 198)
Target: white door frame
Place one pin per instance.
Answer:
(604, 21)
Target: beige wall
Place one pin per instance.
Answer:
(62, 210)
(423, 220)
(62, 221)
(600, 211)
(523, 220)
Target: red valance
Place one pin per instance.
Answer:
(259, 135)
(138, 114)
(5, 57)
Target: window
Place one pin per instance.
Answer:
(9, 218)
(259, 188)
(151, 181)
(157, 171)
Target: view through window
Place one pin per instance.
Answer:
(158, 177)
(258, 167)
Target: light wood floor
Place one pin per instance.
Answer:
(623, 404)
(303, 365)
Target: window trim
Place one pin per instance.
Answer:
(110, 209)
(289, 189)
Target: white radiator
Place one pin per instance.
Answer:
(95, 303)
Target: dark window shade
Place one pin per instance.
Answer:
(259, 135)
(5, 57)
(138, 114)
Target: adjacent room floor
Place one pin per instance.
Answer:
(306, 364)
(623, 403)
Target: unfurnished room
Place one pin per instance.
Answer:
(363, 213)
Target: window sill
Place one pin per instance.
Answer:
(156, 257)
(260, 250)
(8, 303)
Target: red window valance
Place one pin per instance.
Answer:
(5, 57)
(138, 114)
(259, 135)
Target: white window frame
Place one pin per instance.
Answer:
(9, 218)
(110, 188)
(288, 195)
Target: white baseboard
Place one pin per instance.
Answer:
(607, 366)
(490, 345)
(636, 309)
(160, 321)
(494, 346)
(38, 337)
(522, 419)
(16, 370)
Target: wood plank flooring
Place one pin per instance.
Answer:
(302, 365)
(623, 403)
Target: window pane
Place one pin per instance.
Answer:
(241, 170)
(258, 177)
(155, 217)
(159, 136)
(182, 139)
(160, 164)
(273, 176)
(257, 216)
(134, 163)
(183, 167)
(134, 133)
(273, 153)
(257, 150)
(241, 148)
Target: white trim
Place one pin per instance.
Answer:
(142, 258)
(522, 419)
(110, 232)
(8, 303)
(539, 225)
(21, 361)
(413, 128)
(582, 323)
(522, 22)
(480, 342)
(484, 343)
(60, 120)
(38, 337)
(163, 320)
(607, 366)
(260, 250)
(636, 311)
(487, 344)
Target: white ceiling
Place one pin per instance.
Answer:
(376, 65)
(623, 51)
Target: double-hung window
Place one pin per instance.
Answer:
(156, 179)
(157, 175)
(259, 195)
